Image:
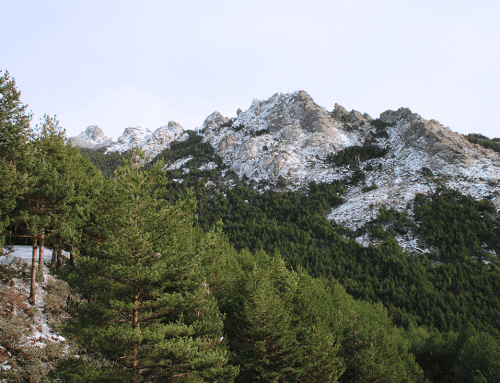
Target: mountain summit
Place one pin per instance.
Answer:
(288, 137)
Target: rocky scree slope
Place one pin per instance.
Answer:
(289, 136)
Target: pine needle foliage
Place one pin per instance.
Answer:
(146, 307)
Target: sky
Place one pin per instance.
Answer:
(118, 63)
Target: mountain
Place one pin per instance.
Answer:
(91, 138)
(151, 142)
(290, 137)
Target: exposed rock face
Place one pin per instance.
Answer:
(132, 136)
(92, 138)
(289, 135)
(433, 138)
(278, 136)
(214, 120)
(151, 143)
(496, 202)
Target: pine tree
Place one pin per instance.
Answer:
(147, 307)
(14, 125)
(83, 184)
(319, 331)
(34, 210)
(264, 339)
(14, 120)
(8, 193)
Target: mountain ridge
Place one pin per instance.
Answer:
(290, 137)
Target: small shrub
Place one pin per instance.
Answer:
(14, 269)
(426, 172)
(262, 131)
(227, 124)
(238, 128)
(369, 188)
(55, 300)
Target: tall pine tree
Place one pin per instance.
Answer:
(147, 306)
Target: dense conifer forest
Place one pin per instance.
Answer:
(201, 276)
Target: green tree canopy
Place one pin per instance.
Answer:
(148, 308)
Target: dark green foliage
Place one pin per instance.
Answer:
(462, 357)
(261, 132)
(355, 154)
(281, 183)
(272, 220)
(14, 130)
(379, 124)
(373, 186)
(380, 131)
(489, 143)
(147, 306)
(106, 163)
(389, 221)
(357, 176)
(459, 227)
(413, 288)
(238, 128)
(426, 172)
(227, 124)
(14, 120)
(288, 327)
(193, 146)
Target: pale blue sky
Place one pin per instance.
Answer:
(127, 63)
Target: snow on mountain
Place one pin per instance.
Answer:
(290, 136)
(287, 135)
(151, 142)
(131, 137)
(91, 138)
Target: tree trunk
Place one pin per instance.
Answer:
(41, 259)
(72, 256)
(53, 261)
(135, 346)
(59, 257)
(32, 298)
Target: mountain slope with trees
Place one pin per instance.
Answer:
(194, 273)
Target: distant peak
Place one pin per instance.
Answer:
(214, 120)
(94, 133)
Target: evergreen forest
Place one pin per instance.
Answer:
(201, 276)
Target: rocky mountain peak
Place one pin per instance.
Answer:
(91, 138)
(431, 137)
(340, 113)
(175, 127)
(133, 134)
(95, 133)
(297, 110)
(275, 137)
(214, 120)
(392, 117)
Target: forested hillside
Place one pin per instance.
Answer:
(199, 276)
